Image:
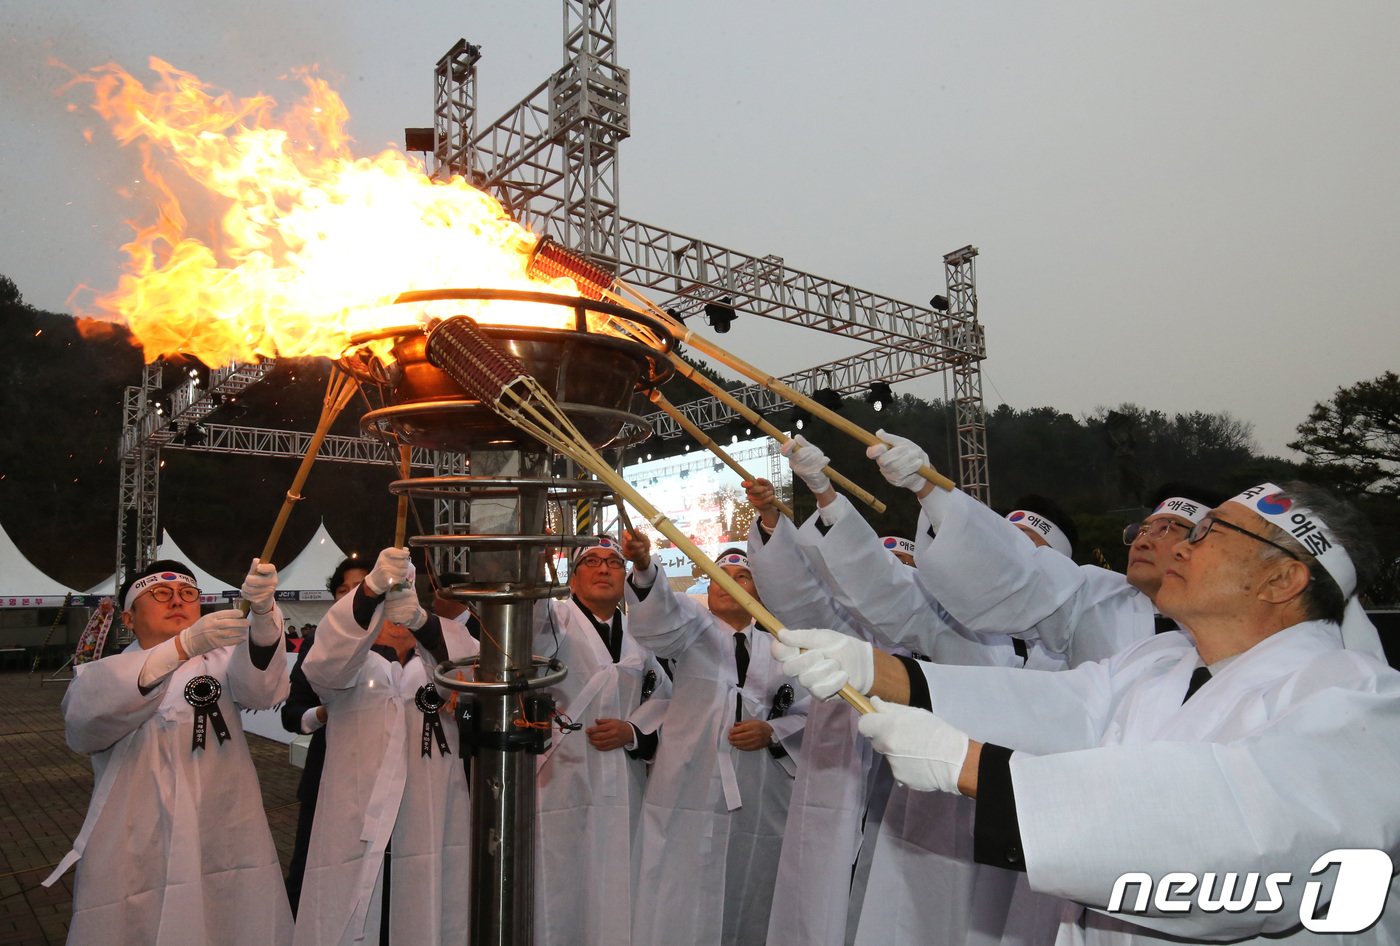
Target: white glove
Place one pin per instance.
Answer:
(214, 630)
(807, 462)
(401, 607)
(829, 660)
(925, 753)
(259, 587)
(899, 460)
(393, 567)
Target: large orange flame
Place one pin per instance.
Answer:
(270, 238)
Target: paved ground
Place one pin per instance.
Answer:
(44, 791)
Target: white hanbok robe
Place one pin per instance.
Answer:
(923, 884)
(822, 835)
(589, 802)
(992, 580)
(1291, 750)
(378, 786)
(712, 816)
(986, 574)
(175, 848)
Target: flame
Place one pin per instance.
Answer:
(269, 238)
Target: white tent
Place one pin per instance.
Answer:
(23, 585)
(108, 586)
(207, 582)
(301, 586)
(310, 569)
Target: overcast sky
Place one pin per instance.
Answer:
(1186, 205)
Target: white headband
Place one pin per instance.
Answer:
(1043, 527)
(605, 544)
(734, 558)
(1358, 633)
(1183, 507)
(1304, 525)
(141, 584)
(896, 544)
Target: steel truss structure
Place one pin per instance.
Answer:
(552, 161)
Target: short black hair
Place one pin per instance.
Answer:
(1047, 507)
(338, 575)
(155, 568)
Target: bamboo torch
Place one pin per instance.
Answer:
(753, 417)
(801, 400)
(401, 516)
(705, 441)
(552, 259)
(339, 389)
(495, 378)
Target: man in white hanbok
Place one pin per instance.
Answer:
(393, 798)
(1266, 741)
(175, 848)
(997, 580)
(716, 801)
(591, 780)
(836, 562)
(983, 572)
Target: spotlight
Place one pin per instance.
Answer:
(940, 303)
(419, 139)
(828, 398)
(161, 405)
(800, 416)
(879, 396)
(720, 314)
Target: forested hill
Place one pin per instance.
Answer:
(62, 399)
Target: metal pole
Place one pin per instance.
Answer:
(503, 774)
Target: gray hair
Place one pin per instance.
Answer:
(1323, 600)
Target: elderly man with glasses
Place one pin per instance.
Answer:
(175, 847)
(991, 576)
(591, 778)
(1234, 781)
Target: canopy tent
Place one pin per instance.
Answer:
(208, 584)
(301, 586)
(23, 585)
(108, 586)
(314, 565)
(307, 572)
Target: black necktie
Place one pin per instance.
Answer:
(1199, 676)
(741, 664)
(610, 633)
(741, 656)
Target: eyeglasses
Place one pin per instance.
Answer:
(1153, 531)
(1202, 529)
(164, 594)
(598, 561)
